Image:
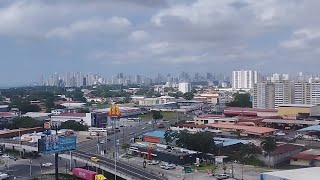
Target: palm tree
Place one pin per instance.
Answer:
(269, 145)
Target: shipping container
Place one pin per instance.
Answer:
(84, 174)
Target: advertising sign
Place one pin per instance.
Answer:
(114, 111)
(54, 144)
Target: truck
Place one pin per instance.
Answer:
(87, 174)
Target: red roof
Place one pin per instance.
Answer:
(7, 114)
(72, 114)
(305, 156)
(283, 148)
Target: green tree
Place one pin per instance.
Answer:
(176, 94)
(156, 115)
(269, 145)
(169, 136)
(25, 122)
(74, 125)
(240, 100)
(200, 141)
(248, 151)
(188, 95)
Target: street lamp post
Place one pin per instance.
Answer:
(56, 155)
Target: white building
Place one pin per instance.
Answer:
(244, 79)
(85, 118)
(184, 87)
(155, 101)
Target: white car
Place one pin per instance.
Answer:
(222, 176)
(280, 133)
(4, 176)
(153, 162)
(5, 156)
(167, 166)
(48, 164)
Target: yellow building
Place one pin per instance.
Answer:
(294, 110)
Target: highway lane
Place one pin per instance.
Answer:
(124, 137)
(121, 167)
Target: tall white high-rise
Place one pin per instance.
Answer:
(244, 79)
(184, 87)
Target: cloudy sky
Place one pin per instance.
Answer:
(150, 36)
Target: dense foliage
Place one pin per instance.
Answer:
(240, 100)
(74, 125)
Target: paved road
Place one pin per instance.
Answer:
(121, 166)
(21, 167)
(124, 137)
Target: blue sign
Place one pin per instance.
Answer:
(51, 144)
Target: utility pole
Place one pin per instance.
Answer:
(20, 143)
(56, 156)
(30, 173)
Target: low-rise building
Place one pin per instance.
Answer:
(294, 111)
(190, 127)
(309, 157)
(85, 118)
(241, 111)
(281, 154)
(209, 98)
(160, 152)
(211, 119)
(244, 130)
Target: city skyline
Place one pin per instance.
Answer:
(139, 37)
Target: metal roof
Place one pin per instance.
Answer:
(311, 128)
(311, 173)
(159, 134)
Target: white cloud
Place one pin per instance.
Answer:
(92, 26)
(139, 35)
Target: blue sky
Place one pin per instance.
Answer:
(149, 37)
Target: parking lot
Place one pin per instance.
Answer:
(240, 171)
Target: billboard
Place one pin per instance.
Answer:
(54, 144)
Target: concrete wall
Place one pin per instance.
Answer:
(300, 162)
(280, 158)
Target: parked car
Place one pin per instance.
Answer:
(95, 159)
(167, 166)
(222, 176)
(5, 156)
(48, 164)
(280, 133)
(153, 162)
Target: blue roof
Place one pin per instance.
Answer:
(311, 128)
(228, 141)
(159, 134)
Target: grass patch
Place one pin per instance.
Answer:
(253, 161)
(203, 167)
(103, 105)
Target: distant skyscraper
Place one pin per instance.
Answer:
(244, 79)
(184, 87)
